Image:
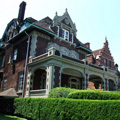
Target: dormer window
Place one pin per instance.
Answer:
(15, 54)
(72, 37)
(65, 34)
(57, 31)
(10, 36)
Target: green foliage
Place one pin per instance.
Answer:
(96, 95)
(60, 92)
(68, 109)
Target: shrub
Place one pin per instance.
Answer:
(68, 109)
(96, 95)
(60, 92)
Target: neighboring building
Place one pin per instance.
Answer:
(55, 57)
(102, 57)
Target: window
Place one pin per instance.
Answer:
(43, 81)
(72, 37)
(4, 83)
(9, 58)
(10, 36)
(65, 34)
(110, 64)
(20, 81)
(15, 55)
(3, 61)
(74, 83)
(105, 62)
(58, 31)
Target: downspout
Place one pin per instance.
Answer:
(26, 63)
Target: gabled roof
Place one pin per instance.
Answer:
(67, 19)
(104, 50)
(44, 23)
(10, 92)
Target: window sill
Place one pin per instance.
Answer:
(19, 92)
(70, 43)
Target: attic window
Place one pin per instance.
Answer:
(15, 54)
(65, 34)
(58, 31)
(72, 37)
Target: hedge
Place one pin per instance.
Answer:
(96, 95)
(60, 92)
(66, 109)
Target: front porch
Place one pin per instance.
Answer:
(52, 70)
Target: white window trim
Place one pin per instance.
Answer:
(9, 59)
(3, 61)
(20, 81)
(58, 30)
(72, 37)
(64, 37)
(4, 84)
(15, 54)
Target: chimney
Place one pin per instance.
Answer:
(21, 12)
(87, 45)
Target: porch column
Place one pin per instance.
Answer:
(87, 81)
(116, 84)
(29, 83)
(57, 77)
(106, 84)
(84, 83)
(49, 79)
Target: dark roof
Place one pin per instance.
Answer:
(80, 45)
(44, 23)
(30, 19)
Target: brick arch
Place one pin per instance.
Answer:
(96, 81)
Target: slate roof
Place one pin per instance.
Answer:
(44, 23)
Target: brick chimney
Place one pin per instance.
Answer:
(87, 45)
(21, 12)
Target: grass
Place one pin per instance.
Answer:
(9, 117)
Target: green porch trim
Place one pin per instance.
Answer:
(86, 49)
(28, 29)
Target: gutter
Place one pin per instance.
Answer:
(29, 27)
(26, 63)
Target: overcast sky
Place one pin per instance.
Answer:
(94, 19)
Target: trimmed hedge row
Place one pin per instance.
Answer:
(60, 92)
(105, 95)
(96, 94)
(66, 109)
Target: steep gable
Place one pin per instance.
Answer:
(65, 21)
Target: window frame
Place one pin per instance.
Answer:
(4, 83)
(58, 30)
(15, 54)
(20, 81)
(3, 61)
(65, 36)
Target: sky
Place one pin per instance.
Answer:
(94, 19)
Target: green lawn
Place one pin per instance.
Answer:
(9, 117)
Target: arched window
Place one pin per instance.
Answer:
(74, 83)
